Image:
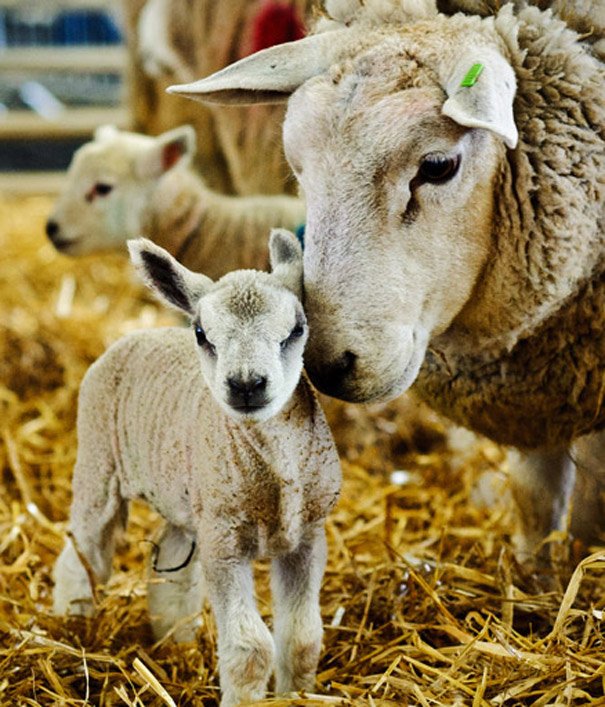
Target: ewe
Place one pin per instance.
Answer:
(122, 185)
(454, 175)
(227, 441)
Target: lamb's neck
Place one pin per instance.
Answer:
(236, 231)
(212, 232)
(175, 210)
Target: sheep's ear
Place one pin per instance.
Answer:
(271, 75)
(166, 151)
(286, 259)
(105, 132)
(174, 284)
(481, 89)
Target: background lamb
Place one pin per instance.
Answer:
(230, 445)
(122, 185)
(454, 232)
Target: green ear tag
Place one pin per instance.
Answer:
(472, 75)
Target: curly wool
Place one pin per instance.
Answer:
(539, 378)
(378, 12)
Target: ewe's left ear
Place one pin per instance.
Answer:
(166, 151)
(174, 284)
(286, 259)
(481, 89)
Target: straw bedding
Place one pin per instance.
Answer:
(422, 600)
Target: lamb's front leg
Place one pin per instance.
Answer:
(296, 581)
(245, 644)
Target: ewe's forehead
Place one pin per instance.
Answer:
(246, 297)
(366, 95)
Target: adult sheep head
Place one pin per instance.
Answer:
(109, 183)
(397, 157)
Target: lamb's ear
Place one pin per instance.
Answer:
(174, 284)
(166, 151)
(105, 132)
(481, 89)
(286, 259)
(271, 75)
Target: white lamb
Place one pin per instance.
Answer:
(227, 441)
(122, 185)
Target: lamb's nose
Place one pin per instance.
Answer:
(248, 392)
(52, 228)
(330, 378)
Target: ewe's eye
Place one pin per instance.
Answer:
(438, 168)
(296, 333)
(202, 341)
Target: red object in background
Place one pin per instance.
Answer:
(275, 23)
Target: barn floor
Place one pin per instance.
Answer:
(423, 602)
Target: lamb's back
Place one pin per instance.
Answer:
(140, 400)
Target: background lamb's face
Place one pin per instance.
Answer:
(399, 202)
(109, 182)
(251, 337)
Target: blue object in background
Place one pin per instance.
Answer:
(70, 27)
(84, 27)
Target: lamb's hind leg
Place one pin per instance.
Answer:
(98, 511)
(296, 581)
(543, 482)
(175, 590)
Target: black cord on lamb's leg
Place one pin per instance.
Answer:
(156, 551)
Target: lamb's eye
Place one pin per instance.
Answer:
(296, 333)
(438, 168)
(102, 188)
(201, 339)
(200, 335)
(98, 189)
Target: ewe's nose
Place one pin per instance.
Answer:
(52, 229)
(248, 393)
(332, 377)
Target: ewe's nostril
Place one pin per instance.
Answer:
(52, 228)
(331, 378)
(346, 363)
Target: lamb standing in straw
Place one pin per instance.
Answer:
(122, 185)
(454, 174)
(228, 442)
